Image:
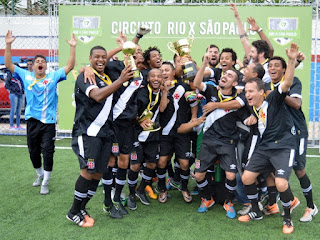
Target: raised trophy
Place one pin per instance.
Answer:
(129, 49)
(182, 48)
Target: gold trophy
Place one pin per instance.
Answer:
(128, 49)
(147, 114)
(182, 48)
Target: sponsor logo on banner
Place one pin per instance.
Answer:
(283, 30)
(86, 28)
(90, 163)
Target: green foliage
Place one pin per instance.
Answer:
(28, 215)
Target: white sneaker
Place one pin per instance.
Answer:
(38, 181)
(44, 189)
(244, 211)
(309, 214)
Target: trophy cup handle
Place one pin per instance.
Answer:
(191, 37)
(171, 48)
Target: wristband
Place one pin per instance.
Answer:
(259, 30)
(243, 35)
(139, 35)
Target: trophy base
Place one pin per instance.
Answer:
(189, 71)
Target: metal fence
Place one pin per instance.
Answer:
(46, 41)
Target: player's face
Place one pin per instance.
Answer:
(248, 72)
(155, 79)
(226, 61)
(40, 66)
(253, 54)
(29, 66)
(253, 95)
(155, 59)
(214, 56)
(228, 80)
(98, 60)
(276, 71)
(167, 72)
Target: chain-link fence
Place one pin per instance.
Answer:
(40, 35)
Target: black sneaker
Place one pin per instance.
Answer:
(132, 202)
(143, 198)
(78, 219)
(113, 212)
(120, 208)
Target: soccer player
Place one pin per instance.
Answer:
(92, 132)
(149, 98)
(178, 111)
(276, 143)
(41, 108)
(294, 101)
(219, 137)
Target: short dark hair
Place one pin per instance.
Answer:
(212, 46)
(237, 74)
(154, 69)
(146, 54)
(39, 56)
(233, 53)
(258, 68)
(262, 46)
(283, 62)
(258, 81)
(169, 63)
(97, 48)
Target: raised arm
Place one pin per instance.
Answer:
(292, 54)
(199, 77)
(120, 40)
(164, 93)
(143, 30)
(256, 28)
(7, 53)
(242, 32)
(72, 57)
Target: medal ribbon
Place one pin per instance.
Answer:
(104, 77)
(226, 99)
(258, 115)
(35, 82)
(272, 85)
(150, 98)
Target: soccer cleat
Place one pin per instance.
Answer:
(78, 219)
(294, 203)
(44, 189)
(231, 213)
(270, 210)
(245, 209)
(132, 202)
(186, 196)
(176, 185)
(143, 198)
(287, 226)
(205, 204)
(195, 191)
(151, 192)
(120, 208)
(251, 216)
(38, 181)
(309, 214)
(163, 196)
(86, 216)
(168, 185)
(113, 212)
(263, 196)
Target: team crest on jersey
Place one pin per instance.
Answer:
(197, 164)
(226, 110)
(134, 156)
(90, 163)
(136, 82)
(176, 96)
(115, 148)
(45, 82)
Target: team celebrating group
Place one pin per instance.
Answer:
(143, 114)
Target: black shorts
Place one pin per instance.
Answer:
(279, 161)
(125, 135)
(211, 152)
(178, 144)
(301, 151)
(93, 152)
